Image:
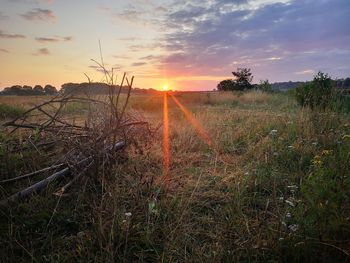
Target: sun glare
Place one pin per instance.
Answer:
(166, 146)
(203, 134)
(165, 87)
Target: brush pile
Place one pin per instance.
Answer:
(82, 133)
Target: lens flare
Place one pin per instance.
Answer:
(203, 134)
(166, 147)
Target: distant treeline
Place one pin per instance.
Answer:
(29, 91)
(102, 88)
(98, 88)
(284, 86)
(70, 88)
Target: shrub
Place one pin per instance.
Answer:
(319, 93)
(265, 86)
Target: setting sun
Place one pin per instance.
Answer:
(165, 87)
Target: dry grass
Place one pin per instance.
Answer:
(226, 203)
(24, 101)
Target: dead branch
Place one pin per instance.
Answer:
(41, 185)
(92, 141)
(25, 176)
(36, 187)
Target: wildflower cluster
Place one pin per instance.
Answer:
(317, 161)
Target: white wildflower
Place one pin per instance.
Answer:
(273, 132)
(152, 207)
(128, 214)
(288, 215)
(290, 203)
(293, 227)
(292, 188)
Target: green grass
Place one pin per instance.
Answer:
(10, 111)
(75, 108)
(275, 189)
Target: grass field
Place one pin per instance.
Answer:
(255, 178)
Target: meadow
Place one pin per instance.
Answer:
(253, 177)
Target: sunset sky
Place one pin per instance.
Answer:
(190, 45)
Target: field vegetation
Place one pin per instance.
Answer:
(273, 185)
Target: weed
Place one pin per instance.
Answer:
(10, 111)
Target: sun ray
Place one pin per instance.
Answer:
(202, 133)
(166, 146)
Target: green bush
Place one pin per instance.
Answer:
(319, 93)
(9, 111)
(265, 86)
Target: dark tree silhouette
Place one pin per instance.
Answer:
(243, 78)
(225, 85)
(38, 90)
(50, 90)
(26, 90)
(242, 81)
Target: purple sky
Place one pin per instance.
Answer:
(188, 44)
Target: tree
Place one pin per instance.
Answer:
(243, 78)
(38, 90)
(225, 85)
(242, 81)
(50, 90)
(27, 88)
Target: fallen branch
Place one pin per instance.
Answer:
(93, 139)
(41, 185)
(31, 174)
(63, 189)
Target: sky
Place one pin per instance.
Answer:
(186, 44)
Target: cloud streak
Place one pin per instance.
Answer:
(38, 14)
(53, 39)
(11, 36)
(42, 52)
(138, 64)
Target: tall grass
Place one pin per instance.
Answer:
(276, 189)
(10, 111)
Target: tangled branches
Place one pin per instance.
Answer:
(84, 131)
